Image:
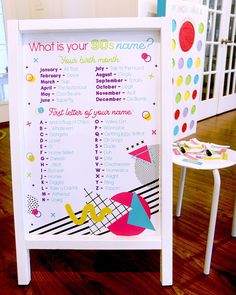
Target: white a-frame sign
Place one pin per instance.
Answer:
(90, 109)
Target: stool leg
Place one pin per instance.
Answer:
(181, 191)
(233, 233)
(212, 224)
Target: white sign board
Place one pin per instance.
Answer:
(91, 145)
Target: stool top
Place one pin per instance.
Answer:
(201, 155)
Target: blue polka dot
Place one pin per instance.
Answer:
(189, 62)
(196, 78)
(176, 130)
(40, 110)
(173, 25)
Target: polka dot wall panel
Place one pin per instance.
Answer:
(188, 50)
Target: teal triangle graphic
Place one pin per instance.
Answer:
(138, 216)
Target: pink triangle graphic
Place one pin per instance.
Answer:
(142, 153)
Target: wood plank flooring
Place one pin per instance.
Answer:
(136, 272)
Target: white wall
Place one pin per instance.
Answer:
(29, 9)
(77, 8)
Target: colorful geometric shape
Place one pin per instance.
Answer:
(121, 227)
(138, 216)
(146, 172)
(142, 153)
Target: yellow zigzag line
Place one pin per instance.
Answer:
(87, 208)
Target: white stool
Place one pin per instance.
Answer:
(213, 165)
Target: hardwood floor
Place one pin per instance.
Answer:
(136, 272)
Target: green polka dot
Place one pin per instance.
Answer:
(173, 62)
(201, 28)
(188, 80)
(178, 97)
(193, 109)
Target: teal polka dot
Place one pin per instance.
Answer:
(196, 79)
(189, 62)
(40, 110)
(176, 130)
(174, 25)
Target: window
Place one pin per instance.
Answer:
(3, 60)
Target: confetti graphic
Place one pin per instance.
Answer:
(148, 191)
(32, 206)
(89, 208)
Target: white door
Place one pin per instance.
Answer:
(219, 81)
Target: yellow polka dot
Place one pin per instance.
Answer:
(30, 157)
(186, 95)
(147, 116)
(173, 44)
(179, 81)
(30, 78)
(197, 62)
